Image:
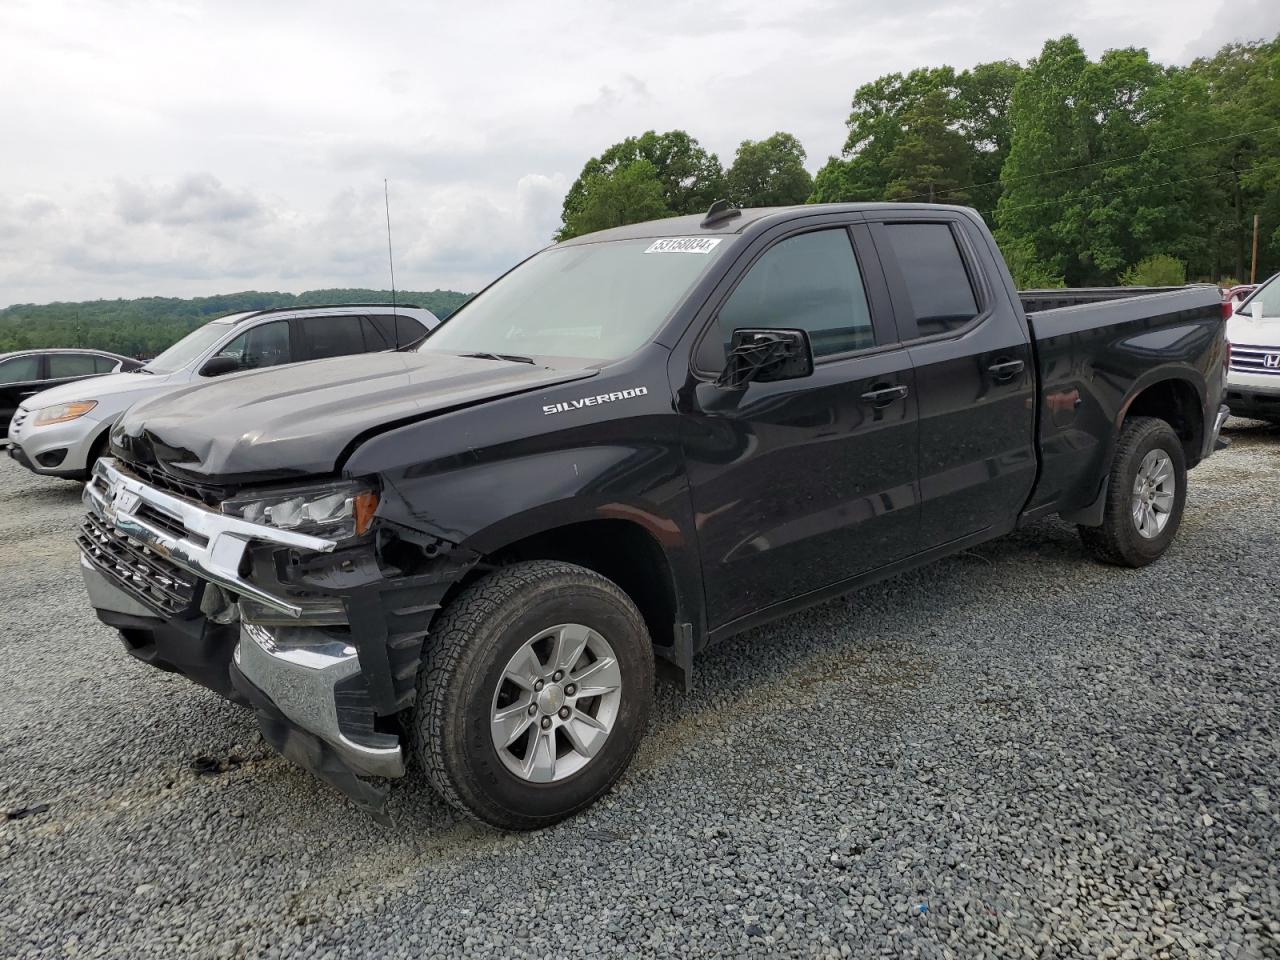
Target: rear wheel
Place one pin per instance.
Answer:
(1146, 491)
(533, 694)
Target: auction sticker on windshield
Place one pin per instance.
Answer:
(683, 245)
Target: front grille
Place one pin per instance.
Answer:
(201, 492)
(141, 572)
(19, 418)
(1247, 359)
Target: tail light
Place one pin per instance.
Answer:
(1227, 308)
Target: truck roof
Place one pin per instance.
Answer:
(693, 224)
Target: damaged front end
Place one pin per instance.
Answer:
(299, 603)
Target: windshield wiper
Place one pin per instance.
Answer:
(500, 356)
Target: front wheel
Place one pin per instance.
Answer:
(1146, 491)
(533, 694)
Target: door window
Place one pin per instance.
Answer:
(938, 285)
(263, 346)
(810, 282)
(331, 336)
(65, 365)
(20, 369)
(397, 331)
(379, 333)
(104, 364)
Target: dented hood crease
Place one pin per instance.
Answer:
(298, 419)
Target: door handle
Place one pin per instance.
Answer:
(883, 396)
(1006, 370)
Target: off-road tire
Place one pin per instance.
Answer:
(1118, 541)
(466, 653)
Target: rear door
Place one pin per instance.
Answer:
(974, 371)
(799, 484)
(20, 377)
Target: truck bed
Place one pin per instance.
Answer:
(1037, 301)
(1091, 346)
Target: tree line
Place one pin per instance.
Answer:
(145, 326)
(1090, 172)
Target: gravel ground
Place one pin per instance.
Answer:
(1015, 752)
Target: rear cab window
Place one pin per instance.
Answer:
(938, 288)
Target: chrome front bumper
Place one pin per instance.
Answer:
(299, 669)
(212, 544)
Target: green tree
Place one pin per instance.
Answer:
(147, 325)
(769, 173)
(1157, 270)
(690, 177)
(932, 160)
(932, 133)
(1242, 81)
(630, 193)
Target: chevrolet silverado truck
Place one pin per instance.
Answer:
(632, 445)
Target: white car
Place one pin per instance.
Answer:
(61, 432)
(1253, 380)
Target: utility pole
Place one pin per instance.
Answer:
(1253, 264)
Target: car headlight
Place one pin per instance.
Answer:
(335, 510)
(62, 412)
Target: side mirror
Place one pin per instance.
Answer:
(764, 356)
(218, 366)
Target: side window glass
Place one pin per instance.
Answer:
(20, 369)
(104, 364)
(938, 285)
(409, 330)
(379, 333)
(263, 346)
(331, 336)
(63, 365)
(810, 282)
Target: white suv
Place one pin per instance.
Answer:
(61, 432)
(1253, 381)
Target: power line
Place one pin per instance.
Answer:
(1095, 163)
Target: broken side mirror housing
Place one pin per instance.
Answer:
(766, 355)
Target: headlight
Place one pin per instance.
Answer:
(334, 510)
(62, 412)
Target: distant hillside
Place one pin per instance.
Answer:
(147, 325)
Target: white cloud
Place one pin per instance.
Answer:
(161, 147)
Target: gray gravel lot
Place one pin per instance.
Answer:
(1015, 752)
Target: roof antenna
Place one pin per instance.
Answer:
(720, 211)
(395, 319)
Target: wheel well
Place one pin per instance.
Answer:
(1178, 404)
(618, 549)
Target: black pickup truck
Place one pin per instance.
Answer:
(634, 444)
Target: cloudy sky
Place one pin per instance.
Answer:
(184, 148)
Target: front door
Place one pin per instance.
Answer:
(20, 377)
(799, 484)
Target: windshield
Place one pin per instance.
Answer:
(1268, 295)
(189, 348)
(597, 301)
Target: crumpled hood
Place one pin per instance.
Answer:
(97, 388)
(298, 419)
